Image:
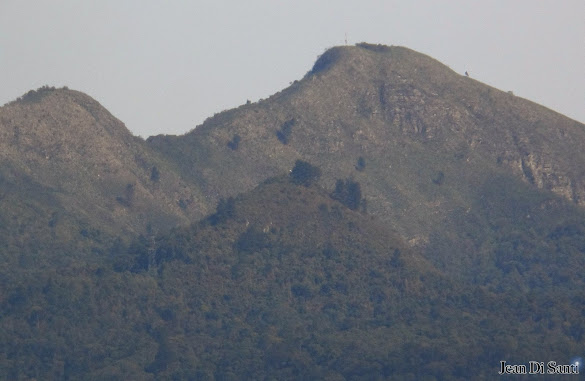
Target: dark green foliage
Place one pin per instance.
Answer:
(325, 61)
(169, 250)
(128, 197)
(154, 174)
(225, 210)
(396, 259)
(92, 233)
(164, 356)
(349, 193)
(235, 142)
(122, 201)
(129, 193)
(329, 251)
(303, 173)
(439, 178)
(36, 96)
(301, 291)
(183, 204)
(285, 131)
(252, 240)
(361, 164)
(380, 48)
(143, 255)
(307, 297)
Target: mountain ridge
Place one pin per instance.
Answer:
(96, 169)
(430, 140)
(372, 102)
(383, 217)
(411, 121)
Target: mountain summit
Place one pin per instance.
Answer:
(371, 97)
(423, 141)
(92, 166)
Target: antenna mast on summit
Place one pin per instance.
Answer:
(345, 38)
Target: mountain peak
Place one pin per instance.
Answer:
(66, 141)
(51, 125)
(71, 109)
(413, 121)
(383, 59)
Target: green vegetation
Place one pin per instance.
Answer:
(285, 131)
(304, 173)
(361, 164)
(439, 178)
(224, 211)
(291, 285)
(235, 142)
(154, 174)
(379, 48)
(128, 198)
(325, 61)
(35, 96)
(349, 193)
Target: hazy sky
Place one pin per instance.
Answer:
(165, 66)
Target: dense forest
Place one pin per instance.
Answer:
(285, 282)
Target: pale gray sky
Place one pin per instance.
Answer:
(165, 66)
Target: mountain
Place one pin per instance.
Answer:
(423, 141)
(368, 100)
(68, 167)
(67, 141)
(383, 217)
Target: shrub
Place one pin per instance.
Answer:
(301, 291)
(361, 164)
(35, 96)
(349, 193)
(225, 210)
(374, 47)
(252, 240)
(325, 61)
(128, 197)
(154, 174)
(304, 173)
(439, 178)
(235, 142)
(285, 131)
